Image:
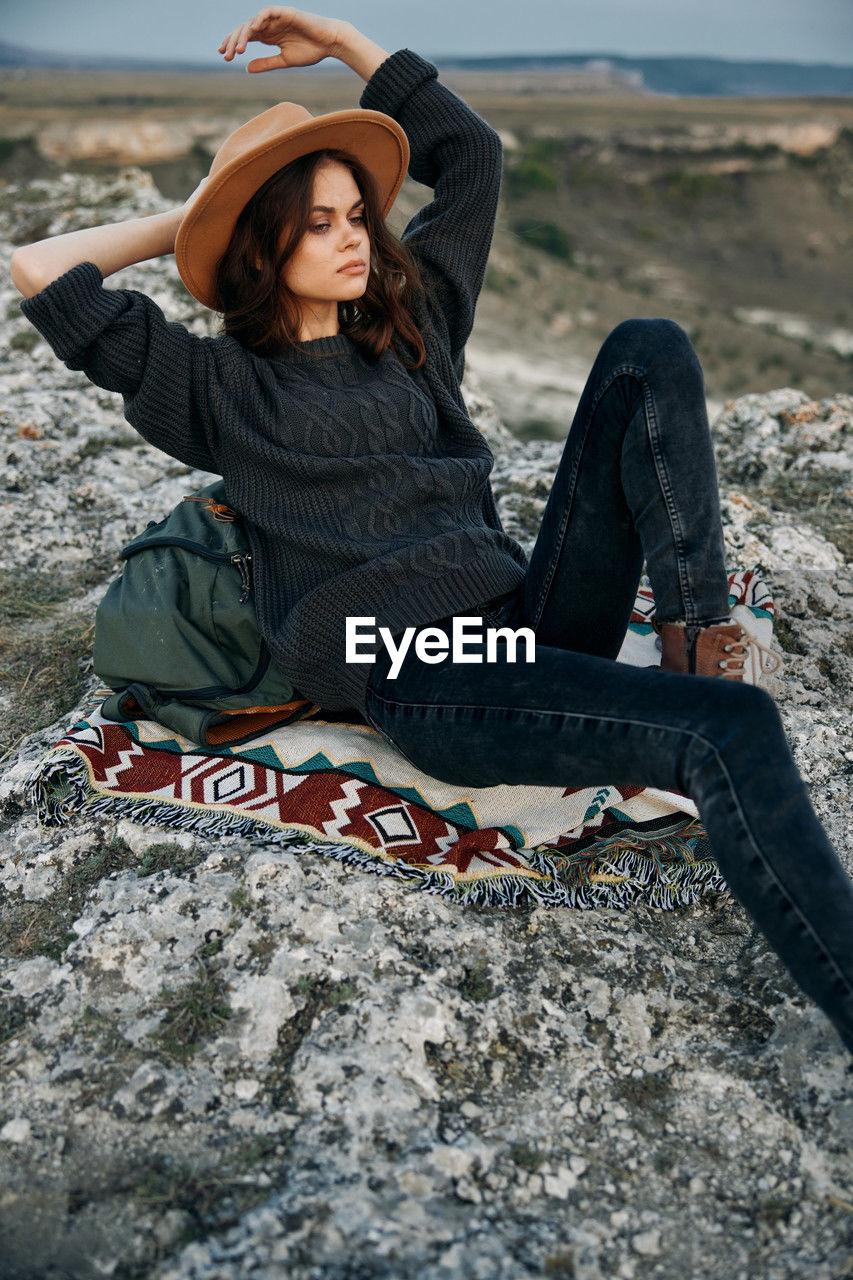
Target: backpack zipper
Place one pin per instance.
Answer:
(242, 562)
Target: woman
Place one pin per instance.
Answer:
(330, 404)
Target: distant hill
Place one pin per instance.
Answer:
(684, 76)
(14, 55)
(681, 76)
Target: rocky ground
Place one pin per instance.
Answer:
(231, 1058)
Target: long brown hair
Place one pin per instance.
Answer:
(264, 315)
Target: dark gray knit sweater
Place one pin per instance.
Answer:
(365, 488)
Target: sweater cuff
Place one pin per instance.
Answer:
(73, 309)
(394, 80)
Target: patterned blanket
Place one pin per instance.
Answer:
(339, 789)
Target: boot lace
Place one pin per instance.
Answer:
(749, 646)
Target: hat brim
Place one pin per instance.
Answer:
(208, 225)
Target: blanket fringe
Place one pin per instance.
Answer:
(617, 872)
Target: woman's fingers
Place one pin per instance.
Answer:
(267, 64)
(190, 200)
(237, 40)
(228, 44)
(245, 35)
(303, 38)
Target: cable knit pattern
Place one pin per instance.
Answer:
(364, 487)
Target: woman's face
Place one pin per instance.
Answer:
(336, 235)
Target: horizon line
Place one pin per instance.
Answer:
(213, 64)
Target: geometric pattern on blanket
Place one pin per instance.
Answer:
(340, 789)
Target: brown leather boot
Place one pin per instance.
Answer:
(724, 649)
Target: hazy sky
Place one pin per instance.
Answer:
(799, 30)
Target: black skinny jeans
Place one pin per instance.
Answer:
(637, 480)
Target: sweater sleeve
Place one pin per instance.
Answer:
(123, 342)
(456, 153)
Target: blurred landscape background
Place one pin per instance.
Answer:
(730, 212)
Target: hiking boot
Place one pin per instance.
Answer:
(726, 649)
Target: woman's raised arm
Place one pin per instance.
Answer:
(120, 338)
(111, 247)
(459, 155)
(302, 39)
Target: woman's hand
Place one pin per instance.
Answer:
(184, 208)
(302, 38)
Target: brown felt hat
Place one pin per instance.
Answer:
(257, 150)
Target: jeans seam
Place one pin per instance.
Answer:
(490, 617)
(664, 483)
(671, 506)
(548, 576)
(691, 733)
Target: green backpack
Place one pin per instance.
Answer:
(176, 635)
